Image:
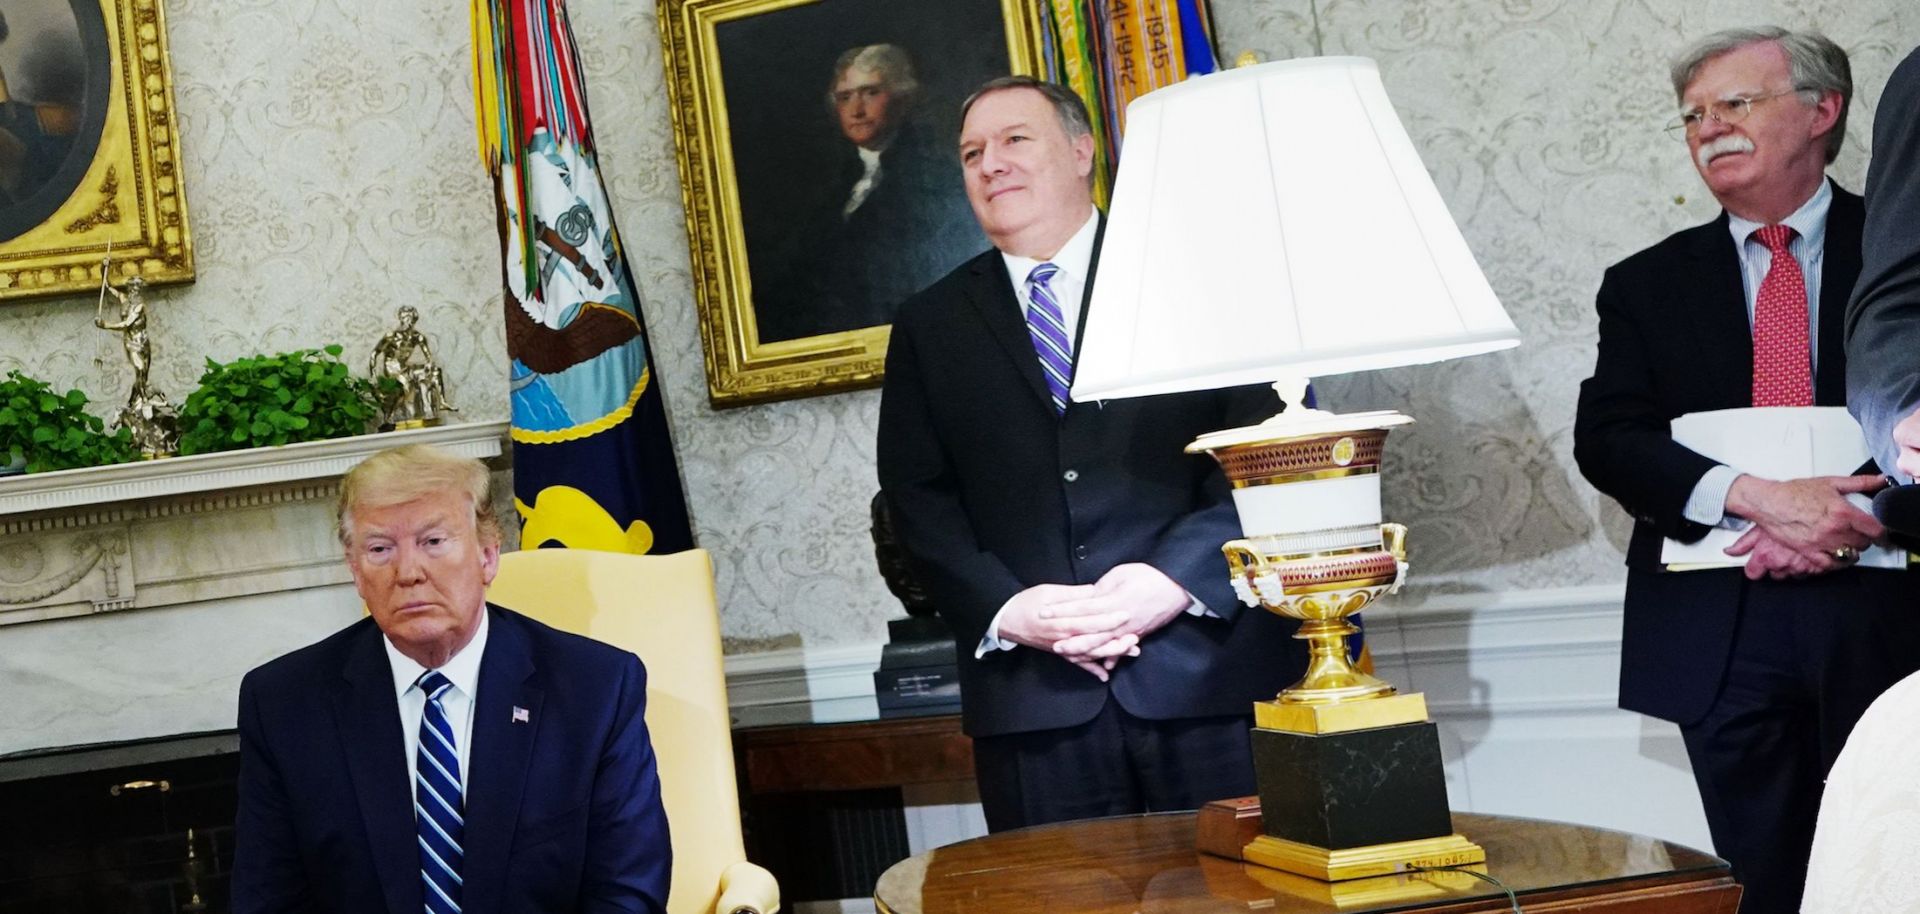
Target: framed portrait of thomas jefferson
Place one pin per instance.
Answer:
(817, 142)
(89, 154)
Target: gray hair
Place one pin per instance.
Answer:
(1816, 65)
(889, 61)
(1067, 106)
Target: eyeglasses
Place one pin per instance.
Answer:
(1726, 111)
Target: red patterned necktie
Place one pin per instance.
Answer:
(1782, 354)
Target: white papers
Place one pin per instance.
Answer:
(1778, 443)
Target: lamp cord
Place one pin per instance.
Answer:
(1313, 7)
(1512, 899)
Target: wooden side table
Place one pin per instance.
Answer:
(822, 802)
(852, 756)
(1148, 864)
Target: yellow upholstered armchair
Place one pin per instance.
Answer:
(662, 608)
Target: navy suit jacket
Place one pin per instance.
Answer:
(563, 810)
(1675, 339)
(992, 492)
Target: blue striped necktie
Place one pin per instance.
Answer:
(439, 811)
(1048, 327)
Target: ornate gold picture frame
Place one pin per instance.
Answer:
(89, 147)
(802, 245)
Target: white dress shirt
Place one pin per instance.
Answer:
(463, 670)
(1075, 260)
(1707, 504)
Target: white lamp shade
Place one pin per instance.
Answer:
(1275, 221)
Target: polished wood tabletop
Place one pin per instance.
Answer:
(1148, 864)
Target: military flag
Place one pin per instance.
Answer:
(1111, 52)
(593, 465)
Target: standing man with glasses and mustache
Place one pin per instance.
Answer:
(1765, 671)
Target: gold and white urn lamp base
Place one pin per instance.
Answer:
(1349, 770)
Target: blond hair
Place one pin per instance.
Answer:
(401, 474)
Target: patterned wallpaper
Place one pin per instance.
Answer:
(1540, 121)
(334, 178)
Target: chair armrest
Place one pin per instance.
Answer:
(747, 888)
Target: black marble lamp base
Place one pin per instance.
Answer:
(1352, 789)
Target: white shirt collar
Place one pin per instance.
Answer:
(869, 158)
(1074, 258)
(1809, 222)
(463, 669)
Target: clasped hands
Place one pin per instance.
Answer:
(1095, 626)
(1802, 526)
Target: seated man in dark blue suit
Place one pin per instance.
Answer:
(444, 755)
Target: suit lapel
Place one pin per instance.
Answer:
(502, 750)
(1723, 344)
(1839, 267)
(367, 717)
(991, 295)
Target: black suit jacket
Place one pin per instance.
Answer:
(992, 492)
(563, 809)
(1675, 339)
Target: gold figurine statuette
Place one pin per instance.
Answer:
(418, 394)
(154, 422)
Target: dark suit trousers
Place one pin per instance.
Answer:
(1115, 764)
(1808, 658)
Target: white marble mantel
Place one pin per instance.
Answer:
(133, 597)
(164, 532)
(311, 460)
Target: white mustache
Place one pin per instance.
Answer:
(1732, 142)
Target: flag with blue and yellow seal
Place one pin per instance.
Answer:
(593, 463)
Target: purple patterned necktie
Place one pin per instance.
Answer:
(1048, 327)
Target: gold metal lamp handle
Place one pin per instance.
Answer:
(1394, 538)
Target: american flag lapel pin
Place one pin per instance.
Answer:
(520, 715)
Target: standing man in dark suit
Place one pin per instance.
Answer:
(1766, 671)
(1883, 320)
(1106, 667)
(444, 755)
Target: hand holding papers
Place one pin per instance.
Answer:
(1791, 445)
(1801, 527)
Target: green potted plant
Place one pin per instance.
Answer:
(43, 430)
(304, 395)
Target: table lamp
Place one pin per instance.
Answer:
(1273, 223)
